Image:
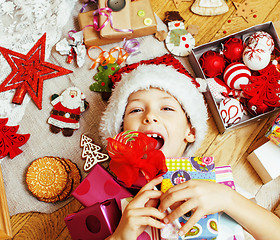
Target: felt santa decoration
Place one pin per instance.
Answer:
(66, 111)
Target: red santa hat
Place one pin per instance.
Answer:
(165, 73)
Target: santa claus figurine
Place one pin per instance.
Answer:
(66, 111)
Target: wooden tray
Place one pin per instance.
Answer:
(5, 224)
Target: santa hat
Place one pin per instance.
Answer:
(148, 74)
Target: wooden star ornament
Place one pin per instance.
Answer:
(243, 10)
(28, 72)
(177, 2)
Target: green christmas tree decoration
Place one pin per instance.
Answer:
(103, 82)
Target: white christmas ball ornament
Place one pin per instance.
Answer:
(231, 111)
(256, 58)
(236, 74)
(263, 40)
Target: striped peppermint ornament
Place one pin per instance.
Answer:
(235, 74)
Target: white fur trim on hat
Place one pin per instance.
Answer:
(163, 77)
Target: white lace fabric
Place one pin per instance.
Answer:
(22, 23)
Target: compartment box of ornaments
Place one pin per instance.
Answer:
(242, 72)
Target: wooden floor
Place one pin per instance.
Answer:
(230, 148)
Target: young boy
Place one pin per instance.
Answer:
(165, 104)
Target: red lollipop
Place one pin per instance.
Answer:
(233, 49)
(212, 63)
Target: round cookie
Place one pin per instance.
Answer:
(67, 167)
(65, 194)
(74, 179)
(46, 177)
(74, 173)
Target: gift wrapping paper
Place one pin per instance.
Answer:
(95, 222)
(120, 20)
(228, 228)
(99, 186)
(224, 176)
(181, 170)
(273, 133)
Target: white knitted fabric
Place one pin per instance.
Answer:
(163, 77)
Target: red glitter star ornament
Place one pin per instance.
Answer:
(29, 71)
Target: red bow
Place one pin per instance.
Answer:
(133, 152)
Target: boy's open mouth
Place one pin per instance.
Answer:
(159, 138)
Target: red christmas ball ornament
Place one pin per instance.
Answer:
(257, 109)
(236, 74)
(233, 49)
(212, 63)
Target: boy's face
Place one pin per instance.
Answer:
(158, 114)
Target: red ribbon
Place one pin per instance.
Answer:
(132, 157)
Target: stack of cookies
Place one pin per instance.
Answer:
(52, 179)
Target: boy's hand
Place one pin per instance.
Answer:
(140, 213)
(199, 196)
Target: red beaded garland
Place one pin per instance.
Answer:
(259, 108)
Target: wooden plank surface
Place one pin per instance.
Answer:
(230, 148)
(5, 224)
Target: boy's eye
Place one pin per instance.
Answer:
(135, 110)
(167, 109)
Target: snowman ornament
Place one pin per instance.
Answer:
(179, 41)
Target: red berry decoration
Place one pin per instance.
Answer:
(233, 49)
(212, 63)
(257, 109)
